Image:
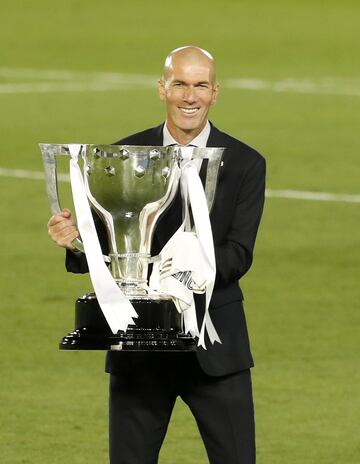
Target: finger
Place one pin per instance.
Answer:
(55, 220)
(61, 225)
(60, 229)
(66, 240)
(66, 213)
(57, 233)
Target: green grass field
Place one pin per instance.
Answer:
(302, 294)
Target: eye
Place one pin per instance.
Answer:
(203, 86)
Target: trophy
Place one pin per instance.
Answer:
(128, 188)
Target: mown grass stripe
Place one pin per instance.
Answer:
(271, 193)
(27, 80)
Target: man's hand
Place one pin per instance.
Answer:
(62, 229)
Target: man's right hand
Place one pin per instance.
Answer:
(62, 229)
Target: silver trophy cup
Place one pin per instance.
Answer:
(128, 189)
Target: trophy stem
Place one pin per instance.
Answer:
(131, 272)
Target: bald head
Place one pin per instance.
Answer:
(189, 56)
(188, 88)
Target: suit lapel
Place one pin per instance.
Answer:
(156, 136)
(216, 138)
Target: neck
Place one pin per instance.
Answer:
(183, 137)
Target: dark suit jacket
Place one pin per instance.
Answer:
(235, 218)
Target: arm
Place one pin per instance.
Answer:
(234, 256)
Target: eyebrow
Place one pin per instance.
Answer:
(178, 81)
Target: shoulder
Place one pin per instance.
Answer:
(152, 136)
(236, 149)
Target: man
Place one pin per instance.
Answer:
(216, 382)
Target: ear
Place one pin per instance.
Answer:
(162, 91)
(215, 93)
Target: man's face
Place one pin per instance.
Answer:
(188, 92)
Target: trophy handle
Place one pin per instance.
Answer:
(51, 180)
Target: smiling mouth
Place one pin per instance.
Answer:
(189, 110)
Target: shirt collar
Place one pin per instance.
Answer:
(199, 141)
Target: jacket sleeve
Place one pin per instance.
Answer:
(75, 261)
(234, 255)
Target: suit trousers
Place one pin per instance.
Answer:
(142, 397)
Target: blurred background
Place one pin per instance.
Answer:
(289, 71)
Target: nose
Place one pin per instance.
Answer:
(190, 94)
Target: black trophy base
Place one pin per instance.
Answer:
(158, 328)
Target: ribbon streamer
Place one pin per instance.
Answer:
(203, 230)
(117, 309)
(189, 252)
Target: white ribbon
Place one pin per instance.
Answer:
(189, 252)
(197, 199)
(117, 309)
(180, 273)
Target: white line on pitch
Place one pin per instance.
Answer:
(50, 80)
(326, 86)
(271, 193)
(54, 87)
(23, 174)
(314, 196)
